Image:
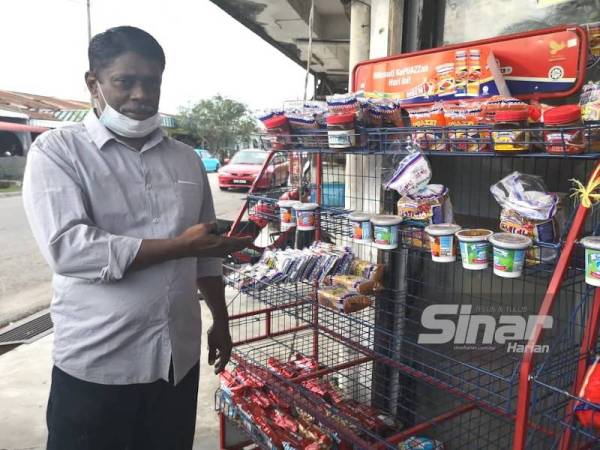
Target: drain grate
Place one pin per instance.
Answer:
(27, 331)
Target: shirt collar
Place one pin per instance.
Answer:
(100, 135)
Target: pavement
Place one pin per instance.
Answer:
(24, 289)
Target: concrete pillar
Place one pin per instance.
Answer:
(360, 29)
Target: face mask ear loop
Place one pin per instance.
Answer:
(103, 97)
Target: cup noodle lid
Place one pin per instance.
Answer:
(386, 220)
(474, 234)
(591, 242)
(359, 217)
(510, 241)
(442, 229)
(305, 206)
(287, 203)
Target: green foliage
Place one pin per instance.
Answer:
(218, 124)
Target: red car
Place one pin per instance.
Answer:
(245, 166)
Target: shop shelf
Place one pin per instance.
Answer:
(418, 410)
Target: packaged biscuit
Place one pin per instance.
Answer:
(352, 282)
(463, 135)
(342, 299)
(432, 120)
(366, 270)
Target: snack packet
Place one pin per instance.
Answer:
(412, 175)
(431, 119)
(342, 299)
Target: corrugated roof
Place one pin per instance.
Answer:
(41, 107)
(77, 115)
(37, 106)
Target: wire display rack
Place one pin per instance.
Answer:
(462, 387)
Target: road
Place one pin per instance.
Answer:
(24, 275)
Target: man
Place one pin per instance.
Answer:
(124, 216)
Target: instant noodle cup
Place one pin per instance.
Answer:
(287, 214)
(442, 240)
(385, 231)
(306, 215)
(361, 227)
(509, 253)
(592, 260)
(474, 248)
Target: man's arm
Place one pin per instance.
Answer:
(56, 207)
(219, 339)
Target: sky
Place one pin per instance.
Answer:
(44, 51)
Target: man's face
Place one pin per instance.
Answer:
(130, 84)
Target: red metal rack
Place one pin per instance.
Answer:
(483, 398)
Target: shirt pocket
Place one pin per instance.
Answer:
(190, 197)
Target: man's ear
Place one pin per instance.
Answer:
(91, 81)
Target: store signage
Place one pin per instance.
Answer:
(539, 64)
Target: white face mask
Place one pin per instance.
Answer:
(126, 126)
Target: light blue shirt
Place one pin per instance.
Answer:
(90, 200)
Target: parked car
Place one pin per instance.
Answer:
(211, 164)
(245, 166)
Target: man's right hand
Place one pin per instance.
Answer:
(199, 241)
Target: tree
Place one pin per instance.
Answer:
(218, 123)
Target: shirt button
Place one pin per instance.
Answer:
(155, 220)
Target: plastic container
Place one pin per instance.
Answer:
(362, 231)
(592, 260)
(385, 231)
(567, 140)
(306, 216)
(509, 253)
(287, 214)
(475, 248)
(511, 132)
(442, 241)
(340, 130)
(278, 130)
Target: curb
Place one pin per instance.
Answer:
(9, 194)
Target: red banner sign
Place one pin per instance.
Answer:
(542, 64)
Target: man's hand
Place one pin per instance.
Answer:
(219, 345)
(199, 240)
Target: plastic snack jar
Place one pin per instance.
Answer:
(340, 130)
(568, 140)
(511, 132)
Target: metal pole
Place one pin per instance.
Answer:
(89, 21)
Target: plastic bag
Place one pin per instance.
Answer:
(420, 443)
(412, 175)
(430, 206)
(588, 412)
(527, 195)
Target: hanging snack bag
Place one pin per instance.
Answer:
(588, 411)
(527, 195)
(343, 104)
(277, 127)
(342, 299)
(412, 175)
(461, 136)
(590, 113)
(429, 206)
(431, 120)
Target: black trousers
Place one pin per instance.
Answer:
(153, 416)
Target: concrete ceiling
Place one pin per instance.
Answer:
(284, 24)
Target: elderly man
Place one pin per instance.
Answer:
(124, 216)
